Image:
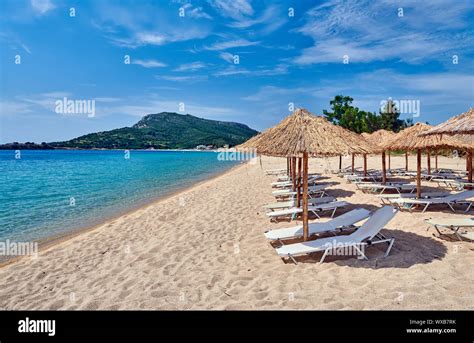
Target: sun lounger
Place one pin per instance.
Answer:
(380, 188)
(450, 200)
(287, 178)
(459, 184)
(360, 178)
(287, 204)
(312, 191)
(454, 224)
(367, 234)
(275, 171)
(282, 184)
(387, 198)
(346, 220)
(315, 209)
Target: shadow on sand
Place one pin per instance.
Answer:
(409, 249)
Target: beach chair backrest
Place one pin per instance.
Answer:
(374, 224)
(320, 200)
(460, 196)
(349, 218)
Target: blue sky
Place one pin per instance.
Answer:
(283, 58)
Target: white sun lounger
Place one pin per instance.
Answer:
(315, 189)
(293, 211)
(282, 184)
(341, 222)
(292, 203)
(450, 200)
(454, 224)
(275, 171)
(367, 234)
(388, 198)
(283, 178)
(380, 188)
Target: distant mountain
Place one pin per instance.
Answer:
(165, 130)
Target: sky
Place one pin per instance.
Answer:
(239, 60)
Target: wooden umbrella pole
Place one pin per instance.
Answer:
(340, 162)
(298, 194)
(436, 159)
(293, 172)
(305, 196)
(469, 171)
(365, 164)
(384, 170)
(406, 160)
(389, 167)
(418, 173)
(428, 161)
(353, 163)
(287, 166)
(290, 167)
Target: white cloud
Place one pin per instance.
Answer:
(148, 63)
(190, 66)
(146, 25)
(237, 43)
(232, 70)
(227, 56)
(370, 31)
(186, 78)
(14, 108)
(42, 6)
(235, 9)
(195, 12)
(272, 19)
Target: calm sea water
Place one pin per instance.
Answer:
(50, 192)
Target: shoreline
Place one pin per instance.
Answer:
(45, 244)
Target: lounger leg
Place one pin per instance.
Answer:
(456, 233)
(390, 245)
(468, 207)
(292, 258)
(437, 229)
(360, 251)
(333, 212)
(451, 207)
(324, 255)
(424, 209)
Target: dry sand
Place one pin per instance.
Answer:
(204, 249)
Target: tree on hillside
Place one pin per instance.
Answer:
(390, 118)
(344, 114)
(339, 106)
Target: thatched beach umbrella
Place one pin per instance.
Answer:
(302, 135)
(411, 139)
(459, 126)
(378, 139)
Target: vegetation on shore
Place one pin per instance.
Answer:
(165, 130)
(352, 118)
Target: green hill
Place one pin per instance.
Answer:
(165, 130)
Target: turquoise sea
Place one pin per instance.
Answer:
(45, 193)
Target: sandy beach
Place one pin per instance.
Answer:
(204, 248)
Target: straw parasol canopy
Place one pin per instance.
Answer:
(301, 132)
(303, 135)
(411, 139)
(461, 124)
(377, 140)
